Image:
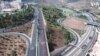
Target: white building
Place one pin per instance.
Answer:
(9, 6)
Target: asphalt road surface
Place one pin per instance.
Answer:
(42, 46)
(33, 45)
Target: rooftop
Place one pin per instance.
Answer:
(6, 6)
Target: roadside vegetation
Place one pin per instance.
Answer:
(98, 20)
(12, 45)
(57, 35)
(80, 32)
(68, 12)
(98, 17)
(83, 17)
(19, 18)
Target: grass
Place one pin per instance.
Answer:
(68, 36)
(51, 16)
(82, 17)
(80, 32)
(21, 17)
(68, 12)
(98, 19)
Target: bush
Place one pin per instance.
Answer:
(51, 16)
(19, 18)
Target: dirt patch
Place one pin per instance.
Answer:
(26, 28)
(57, 39)
(74, 23)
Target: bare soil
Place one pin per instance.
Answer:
(74, 23)
(57, 39)
(10, 43)
(26, 28)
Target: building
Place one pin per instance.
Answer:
(6, 6)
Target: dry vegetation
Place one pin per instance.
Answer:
(11, 45)
(56, 39)
(57, 35)
(26, 28)
(20, 21)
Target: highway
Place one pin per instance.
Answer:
(93, 40)
(76, 40)
(87, 41)
(42, 41)
(39, 45)
(90, 44)
(42, 48)
(94, 36)
(32, 51)
(77, 46)
(84, 46)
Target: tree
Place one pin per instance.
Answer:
(14, 53)
(19, 18)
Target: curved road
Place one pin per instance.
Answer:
(84, 46)
(76, 40)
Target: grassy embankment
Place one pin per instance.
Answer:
(70, 13)
(57, 35)
(98, 17)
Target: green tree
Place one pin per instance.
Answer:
(14, 53)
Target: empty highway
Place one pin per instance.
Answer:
(42, 41)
